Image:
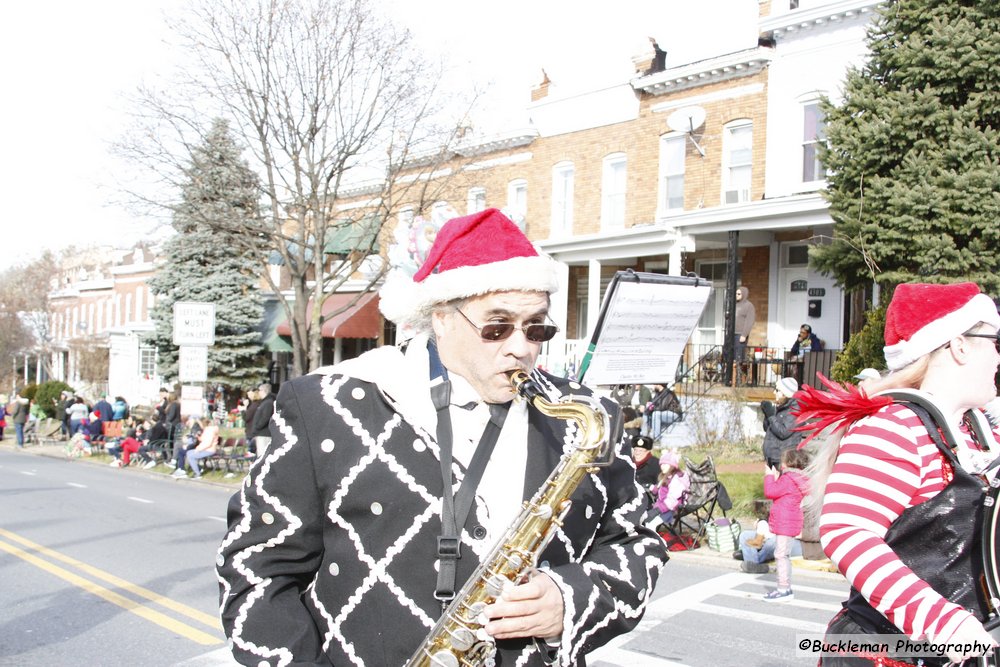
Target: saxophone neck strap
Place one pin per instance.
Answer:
(455, 508)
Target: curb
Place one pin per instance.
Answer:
(57, 451)
(707, 557)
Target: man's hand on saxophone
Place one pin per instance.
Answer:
(531, 609)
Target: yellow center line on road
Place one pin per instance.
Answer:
(132, 606)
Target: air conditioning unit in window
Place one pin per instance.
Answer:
(737, 196)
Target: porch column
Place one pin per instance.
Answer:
(732, 264)
(593, 296)
(338, 350)
(674, 260)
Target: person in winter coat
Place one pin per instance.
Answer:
(77, 413)
(806, 341)
(785, 520)
(779, 421)
(746, 315)
(19, 415)
(663, 410)
(104, 409)
(332, 551)
(119, 409)
(671, 488)
(262, 419)
(647, 466)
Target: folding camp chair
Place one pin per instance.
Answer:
(705, 494)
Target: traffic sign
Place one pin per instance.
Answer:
(194, 323)
(193, 363)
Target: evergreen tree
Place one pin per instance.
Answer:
(200, 264)
(913, 156)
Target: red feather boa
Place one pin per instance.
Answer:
(839, 403)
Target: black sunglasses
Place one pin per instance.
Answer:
(494, 331)
(994, 336)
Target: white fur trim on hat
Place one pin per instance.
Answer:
(933, 335)
(407, 302)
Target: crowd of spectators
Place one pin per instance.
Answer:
(147, 437)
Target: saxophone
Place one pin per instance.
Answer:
(458, 638)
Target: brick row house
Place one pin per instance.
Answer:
(99, 308)
(663, 173)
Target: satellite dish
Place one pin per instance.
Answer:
(687, 120)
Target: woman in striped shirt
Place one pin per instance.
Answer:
(901, 511)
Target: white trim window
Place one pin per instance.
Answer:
(737, 150)
(562, 199)
(476, 200)
(673, 151)
(813, 134)
(147, 361)
(613, 184)
(517, 201)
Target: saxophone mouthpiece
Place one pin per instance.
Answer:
(523, 384)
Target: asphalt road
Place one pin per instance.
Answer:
(102, 566)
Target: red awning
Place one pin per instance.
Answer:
(361, 320)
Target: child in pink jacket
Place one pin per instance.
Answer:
(785, 519)
(671, 487)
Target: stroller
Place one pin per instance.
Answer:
(31, 432)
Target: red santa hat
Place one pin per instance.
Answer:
(472, 255)
(922, 317)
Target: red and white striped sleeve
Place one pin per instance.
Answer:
(886, 463)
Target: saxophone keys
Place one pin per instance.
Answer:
(443, 658)
(542, 511)
(462, 639)
(495, 585)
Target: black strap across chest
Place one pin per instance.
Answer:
(455, 508)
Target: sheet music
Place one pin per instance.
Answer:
(646, 327)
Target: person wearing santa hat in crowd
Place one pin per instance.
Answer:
(337, 552)
(903, 499)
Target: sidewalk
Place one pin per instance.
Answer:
(56, 449)
(705, 556)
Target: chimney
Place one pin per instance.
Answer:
(541, 91)
(650, 58)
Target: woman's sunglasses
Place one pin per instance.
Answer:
(994, 336)
(494, 331)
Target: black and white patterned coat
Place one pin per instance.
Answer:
(330, 553)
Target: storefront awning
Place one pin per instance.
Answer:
(274, 315)
(361, 320)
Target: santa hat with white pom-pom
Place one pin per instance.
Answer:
(472, 255)
(922, 317)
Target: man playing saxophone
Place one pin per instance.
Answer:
(343, 547)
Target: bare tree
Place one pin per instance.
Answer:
(333, 103)
(25, 316)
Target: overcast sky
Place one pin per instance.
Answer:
(68, 66)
